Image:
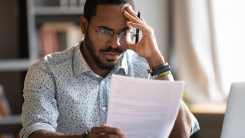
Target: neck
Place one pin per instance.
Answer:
(90, 61)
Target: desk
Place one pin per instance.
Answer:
(210, 117)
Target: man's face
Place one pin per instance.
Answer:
(109, 17)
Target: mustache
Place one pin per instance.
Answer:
(110, 49)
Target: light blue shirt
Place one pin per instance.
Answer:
(62, 93)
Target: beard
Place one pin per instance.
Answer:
(97, 59)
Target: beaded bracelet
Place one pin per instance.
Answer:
(162, 74)
(159, 69)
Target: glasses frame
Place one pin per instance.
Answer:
(112, 35)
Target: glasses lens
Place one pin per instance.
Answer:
(104, 35)
(126, 37)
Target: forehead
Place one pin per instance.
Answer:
(110, 15)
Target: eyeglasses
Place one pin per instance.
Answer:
(106, 35)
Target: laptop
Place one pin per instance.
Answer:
(234, 120)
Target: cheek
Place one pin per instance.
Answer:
(98, 45)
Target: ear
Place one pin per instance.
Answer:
(83, 24)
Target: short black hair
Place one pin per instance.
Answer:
(91, 6)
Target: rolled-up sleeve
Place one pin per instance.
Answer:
(194, 123)
(39, 111)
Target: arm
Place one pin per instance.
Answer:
(40, 111)
(50, 134)
(183, 124)
(147, 48)
(96, 132)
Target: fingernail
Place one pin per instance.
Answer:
(123, 136)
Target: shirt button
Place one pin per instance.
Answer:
(102, 83)
(103, 108)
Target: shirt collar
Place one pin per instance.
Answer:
(122, 63)
(80, 65)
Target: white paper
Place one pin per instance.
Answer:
(143, 108)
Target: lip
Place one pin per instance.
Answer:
(111, 55)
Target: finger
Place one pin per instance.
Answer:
(132, 47)
(105, 129)
(141, 27)
(132, 18)
(142, 19)
(104, 125)
(135, 46)
(131, 11)
(123, 136)
(113, 136)
(108, 136)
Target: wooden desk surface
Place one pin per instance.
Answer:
(210, 117)
(208, 108)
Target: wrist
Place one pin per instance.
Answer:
(155, 61)
(85, 135)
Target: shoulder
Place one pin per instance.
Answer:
(56, 59)
(59, 57)
(53, 62)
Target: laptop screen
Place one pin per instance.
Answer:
(234, 121)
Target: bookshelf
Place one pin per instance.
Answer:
(15, 64)
(41, 11)
(10, 124)
(36, 12)
(58, 11)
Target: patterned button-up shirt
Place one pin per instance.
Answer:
(62, 93)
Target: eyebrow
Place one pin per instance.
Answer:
(104, 27)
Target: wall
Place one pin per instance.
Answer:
(155, 13)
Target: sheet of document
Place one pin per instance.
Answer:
(143, 108)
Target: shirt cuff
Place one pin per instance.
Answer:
(26, 132)
(194, 124)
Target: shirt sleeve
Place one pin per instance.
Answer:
(39, 111)
(194, 123)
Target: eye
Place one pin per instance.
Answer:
(123, 33)
(104, 31)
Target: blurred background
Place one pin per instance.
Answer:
(202, 40)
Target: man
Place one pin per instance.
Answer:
(66, 94)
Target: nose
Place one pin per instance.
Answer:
(114, 42)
